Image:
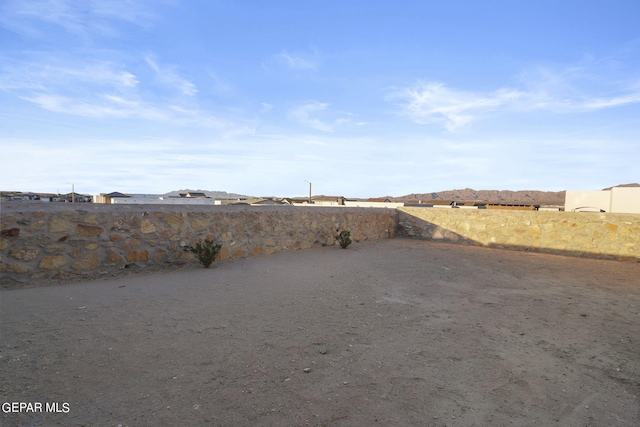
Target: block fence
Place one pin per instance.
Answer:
(41, 241)
(587, 234)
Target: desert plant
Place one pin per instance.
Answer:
(205, 251)
(344, 238)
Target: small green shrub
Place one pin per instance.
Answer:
(205, 251)
(344, 238)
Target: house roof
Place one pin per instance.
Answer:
(327, 198)
(266, 201)
(116, 194)
(296, 200)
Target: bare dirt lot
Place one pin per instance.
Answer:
(393, 333)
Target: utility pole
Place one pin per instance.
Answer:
(73, 193)
(309, 190)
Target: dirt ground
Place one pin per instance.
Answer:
(394, 333)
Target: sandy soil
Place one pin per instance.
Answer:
(393, 333)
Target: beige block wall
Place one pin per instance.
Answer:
(40, 241)
(601, 235)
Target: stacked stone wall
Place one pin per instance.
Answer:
(40, 241)
(590, 234)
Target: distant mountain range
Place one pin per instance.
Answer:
(524, 197)
(528, 197)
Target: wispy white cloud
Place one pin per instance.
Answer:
(219, 85)
(600, 103)
(300, 61)
(434, 102)
(44, 75)
(317, 115)
(108, 106)
(102, 106)
(578, 88)
(170, 78)
(105, 89)
(87, 88)
(81, 18)
(303, 114)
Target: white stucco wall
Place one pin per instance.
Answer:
(616, 200)
(625, 200)
(575, 199)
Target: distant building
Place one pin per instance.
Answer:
(431, 203)
(380, 202)
(296, 200)
(17, 196)
(109, 198)
(256, 201)
(513, 206)
(193, 194)
(328, 200)
(150, 199)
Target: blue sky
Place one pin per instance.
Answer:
(362, 98)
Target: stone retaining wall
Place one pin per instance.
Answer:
(599, 235)
(41, 241)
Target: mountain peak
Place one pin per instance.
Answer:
(635, 184)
